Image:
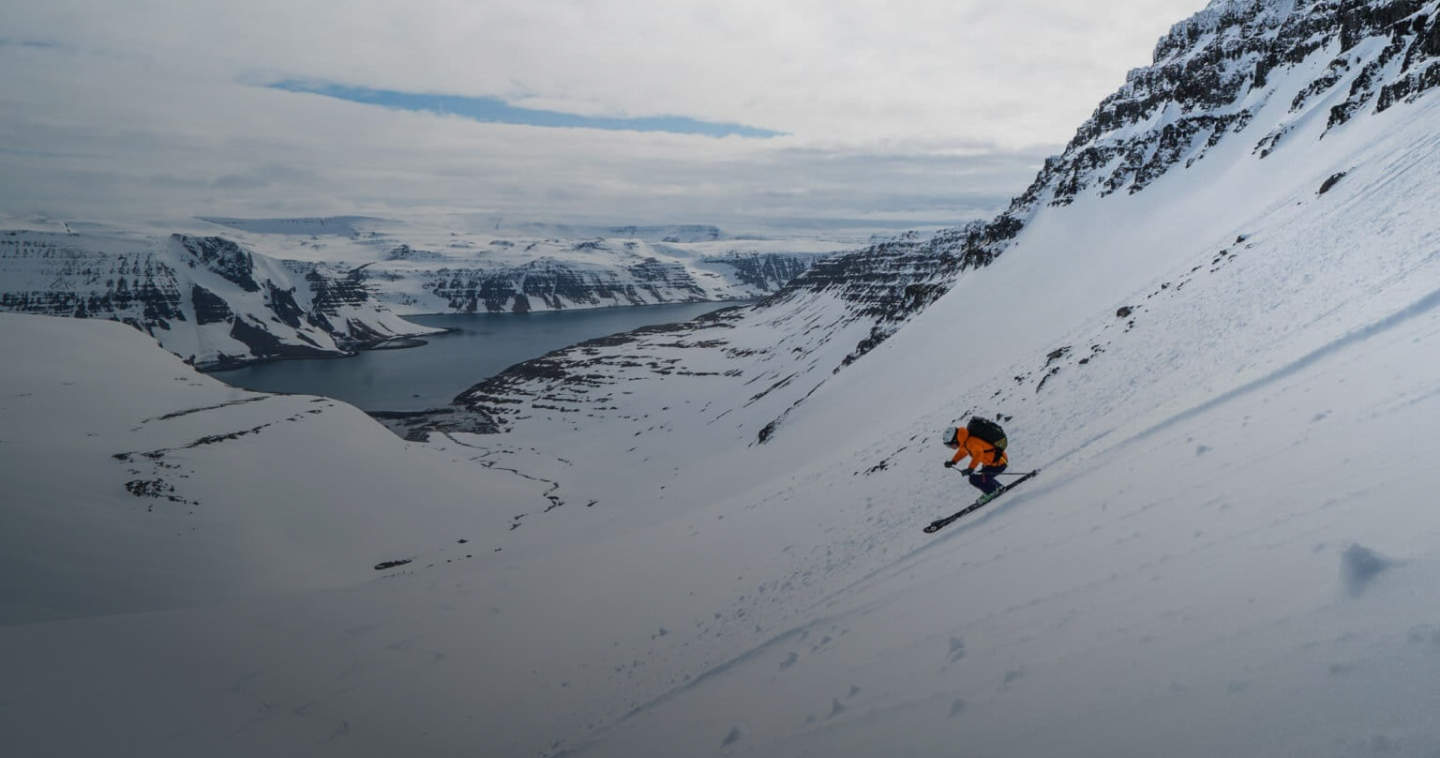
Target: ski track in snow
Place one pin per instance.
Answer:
(1420, 307)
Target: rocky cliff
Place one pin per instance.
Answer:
(1214, 73)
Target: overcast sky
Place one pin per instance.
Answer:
(689, 111)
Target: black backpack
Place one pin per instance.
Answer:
(987, 430)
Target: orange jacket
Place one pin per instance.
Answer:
(981, 451)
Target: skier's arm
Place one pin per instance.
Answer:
(962, 448)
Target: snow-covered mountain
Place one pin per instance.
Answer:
(1253, 72)
(205, 299)
(329, 286)
(458, 264)
(1245, 74)
(554, 274)
(484, 265)
(706, 539)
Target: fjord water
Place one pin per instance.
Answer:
(477, 347)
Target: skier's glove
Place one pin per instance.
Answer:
(949, 464)
(967, 471)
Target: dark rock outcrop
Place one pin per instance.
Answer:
(765, 272)
(560, 285)
(209, 307)
(223, 257)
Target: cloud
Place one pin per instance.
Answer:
(497, 111)
(927, 110)
(40, 44)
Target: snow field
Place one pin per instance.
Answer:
(134, 483)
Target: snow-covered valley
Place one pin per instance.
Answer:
(706, 539)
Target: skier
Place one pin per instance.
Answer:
(987, 459)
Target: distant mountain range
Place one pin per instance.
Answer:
(330, 286)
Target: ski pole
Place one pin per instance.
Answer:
(1005, 473)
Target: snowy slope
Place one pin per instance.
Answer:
(713, 548)
(134, 483)
(1214, 561)
(1203, 553)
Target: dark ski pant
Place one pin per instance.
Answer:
(984, 479)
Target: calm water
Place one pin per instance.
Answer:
(480, 346)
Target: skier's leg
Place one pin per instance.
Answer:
(984, 479)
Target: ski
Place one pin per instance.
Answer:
(981, 502)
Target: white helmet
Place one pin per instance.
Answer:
(950, 434)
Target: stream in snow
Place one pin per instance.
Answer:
(477, 347)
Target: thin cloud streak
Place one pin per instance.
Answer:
(496, 111)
